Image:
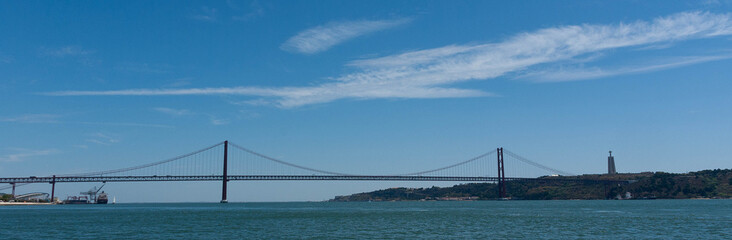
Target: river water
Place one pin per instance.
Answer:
(601, 219)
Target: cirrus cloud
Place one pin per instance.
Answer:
(321, 38)
(22, 154)
(430, 73)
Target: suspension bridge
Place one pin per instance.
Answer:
(227, 161)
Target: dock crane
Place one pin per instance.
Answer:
(93, 193)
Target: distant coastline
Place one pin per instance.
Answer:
(706, 184)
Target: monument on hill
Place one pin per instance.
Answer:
(611, 164)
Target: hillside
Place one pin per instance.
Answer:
(703, 184)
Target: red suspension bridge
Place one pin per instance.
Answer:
(227, 161)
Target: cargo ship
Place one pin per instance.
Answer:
(76, 200)
(102, 198)
(93, 196)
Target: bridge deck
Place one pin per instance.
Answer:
(156, 178)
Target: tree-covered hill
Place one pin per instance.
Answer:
(703, 184)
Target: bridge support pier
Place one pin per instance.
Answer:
(501, 174)
(13, 194)
(53, 189)
(225, 176)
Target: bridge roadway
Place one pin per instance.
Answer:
(155, 178)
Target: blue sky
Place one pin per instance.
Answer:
(373, 87)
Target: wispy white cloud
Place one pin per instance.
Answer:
(206, 14)
(102, 139)
(142, 67)
(180, 82)
(218, 121)
(323, 37)
(97, 141)
(255, 11)
(124, 124)
(4, 58)
(253, 102)
(66, 51)
(715, 3)
(77, 53)
(32, 118)
(57, 119)
(247, 114)
(173, 112)
(298, 96)
(574, 74)
(664, 45)
(428, 73)
(185, 112)
(22, 154)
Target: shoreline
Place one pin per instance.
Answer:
(23, 203)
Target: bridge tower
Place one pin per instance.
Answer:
(53, 188)
(225, 175)
(501, 175)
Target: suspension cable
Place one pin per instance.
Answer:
(451, 166)
(142, 166)
(535, 164)
(287, 163)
